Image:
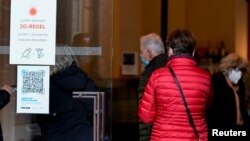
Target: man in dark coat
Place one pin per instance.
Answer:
(152, 56)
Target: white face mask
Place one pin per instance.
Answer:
(234, 76)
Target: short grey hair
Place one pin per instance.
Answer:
(63, 61)
(153, 42)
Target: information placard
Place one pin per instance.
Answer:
(33, 89)
(32, 32)
(129, 63)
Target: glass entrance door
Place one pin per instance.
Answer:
(86, 26)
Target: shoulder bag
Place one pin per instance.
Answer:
(191, 121)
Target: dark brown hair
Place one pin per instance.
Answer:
(232, 61)
(181, 41)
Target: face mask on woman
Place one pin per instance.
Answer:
(144, 61)
(234, 76)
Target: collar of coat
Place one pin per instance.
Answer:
(181, 59)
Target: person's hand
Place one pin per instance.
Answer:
(8, 88)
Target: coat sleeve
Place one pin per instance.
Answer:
(210, 95)
(147, 105)
(4, 98)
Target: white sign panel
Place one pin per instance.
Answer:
(129, 63)
(32, 32)
(33, 89)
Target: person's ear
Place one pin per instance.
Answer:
(193, 53)
(170, 52)
(150, 54)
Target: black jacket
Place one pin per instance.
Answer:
(68, 118)
(222, 113)
(4, 100)
(155, 63)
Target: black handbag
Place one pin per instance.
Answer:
(191, 121)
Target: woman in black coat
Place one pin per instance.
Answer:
(68, 119)
(228, 111)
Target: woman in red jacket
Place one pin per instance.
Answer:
(162, 103)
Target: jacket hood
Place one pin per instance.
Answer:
(71, 78)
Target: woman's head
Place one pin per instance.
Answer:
(233, 66)
(181, 41)
(232, 61)
(64, 60)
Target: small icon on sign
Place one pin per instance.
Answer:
(33, 11)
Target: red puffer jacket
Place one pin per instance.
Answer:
(162, 105)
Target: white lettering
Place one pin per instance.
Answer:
(221, 133)
(243, 133)
(216, 132)
(235, 133)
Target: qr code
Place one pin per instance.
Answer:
(33, 81)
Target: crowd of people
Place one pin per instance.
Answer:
(184, 102)
(178, 100)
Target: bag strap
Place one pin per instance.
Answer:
(191, 121)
